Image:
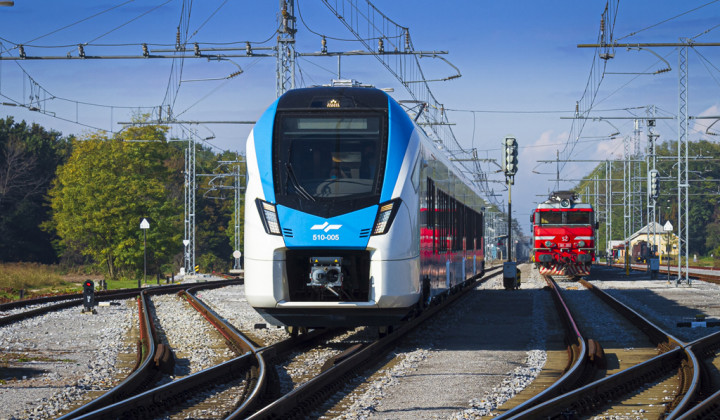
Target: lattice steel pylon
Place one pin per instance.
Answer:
(636, 182)
(286, 47)
(627, 214)
(682, 163)
(189, 217)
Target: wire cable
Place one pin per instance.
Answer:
(75, 23)
(666, 20)
(208, 19)
(127, 23)
(297, 4)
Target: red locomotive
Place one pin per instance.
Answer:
(563, 235)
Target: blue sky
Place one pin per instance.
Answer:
(518, 57)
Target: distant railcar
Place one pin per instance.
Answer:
(353, 216)
(564, 235)
(640, 252)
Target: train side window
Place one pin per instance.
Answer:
(415, 177)
(537, 218)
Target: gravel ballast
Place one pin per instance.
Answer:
(57, 358)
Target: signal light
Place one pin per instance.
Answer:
(510, 156)
(654, 184)
(89, 296)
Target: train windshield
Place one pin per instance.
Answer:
(579, 218)
(565, 218)
(329, 156)
(551, 218)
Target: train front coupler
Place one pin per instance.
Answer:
(326, 272)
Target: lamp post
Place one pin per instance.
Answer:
(186, 266)
(144, 225)
(668, 228)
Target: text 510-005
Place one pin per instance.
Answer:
(322, 237)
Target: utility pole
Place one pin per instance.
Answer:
(285, 77)
(682, 152)
(682, 170)
(510, 166)
(189, 217)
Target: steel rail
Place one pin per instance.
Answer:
(140, 376)
(66, 301)
(676, 354)
(706, 347)
(145, 371)
(158, 400)
(578, 361)
(299, 401)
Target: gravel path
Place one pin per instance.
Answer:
(465, 362)
(230, 304)
(195, 343)
(460, 365)
(50, 363)
(662, 302)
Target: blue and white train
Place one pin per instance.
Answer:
(352, 215)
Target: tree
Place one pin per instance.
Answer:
(29, 156)
(105, 189)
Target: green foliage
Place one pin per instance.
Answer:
(704, 195)
(82, 200)
(29, 156)
(106, 188)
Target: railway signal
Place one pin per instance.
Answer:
(654, 181)
(510, 166)
(89, 297)
(510, 158)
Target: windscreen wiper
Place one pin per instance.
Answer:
(299, 188)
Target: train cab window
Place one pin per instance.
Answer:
(551, 218)
(328, 156)
(578, 218)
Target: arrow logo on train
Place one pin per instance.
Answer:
(325, 227)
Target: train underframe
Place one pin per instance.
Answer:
(574, 265)
(564, 269)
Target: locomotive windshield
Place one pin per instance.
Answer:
(583, 218)
(579, 218)
(322, 157)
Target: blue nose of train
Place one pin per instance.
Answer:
(350, 230)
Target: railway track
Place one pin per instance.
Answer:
(28, 308)
(250, 377)
(664, 386)
(699, 273)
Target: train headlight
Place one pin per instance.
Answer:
(385, 216)
(581, 244)
(549, 244)
(268, 215)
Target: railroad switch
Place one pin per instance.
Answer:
(89, 297)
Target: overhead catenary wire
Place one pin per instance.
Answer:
(126, 23)
(666, 20)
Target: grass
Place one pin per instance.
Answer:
(35, 279)
(42, 280)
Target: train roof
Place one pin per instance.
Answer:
(334, 97)
(564, 200)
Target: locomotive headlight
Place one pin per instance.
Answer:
(268, 215)
(385, 216)
(581, 244)
(549, 244)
